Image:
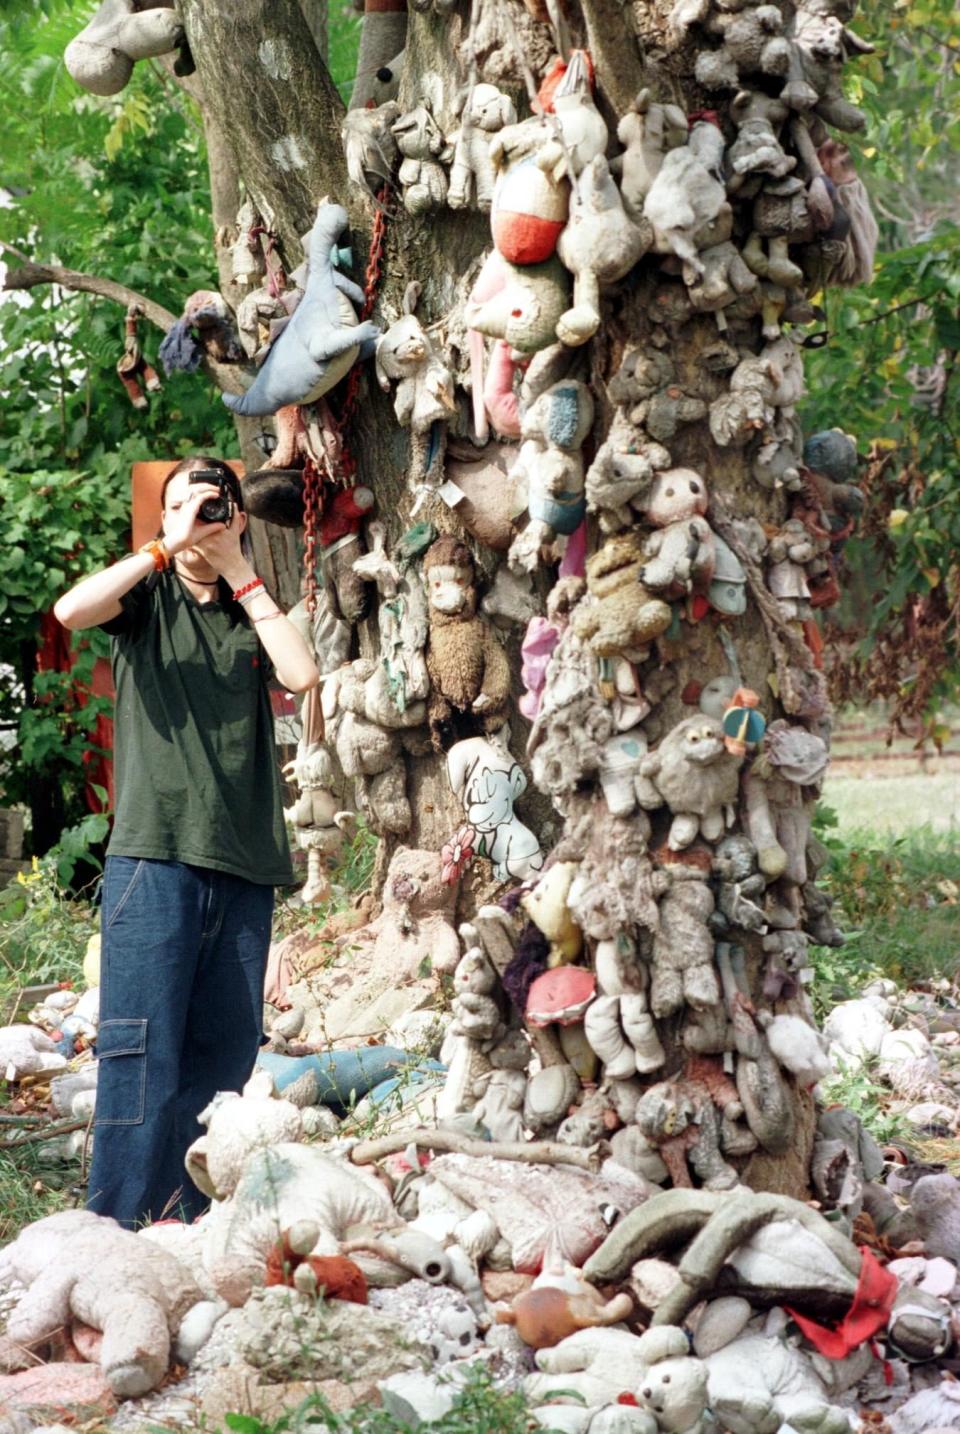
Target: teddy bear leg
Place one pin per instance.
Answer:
(580, 323)
(42, 1308)
(739, 1411)
(136, 1347)
(683, 830)
(640, 1031)
(701, 989)
(666, 989)
(712, 825)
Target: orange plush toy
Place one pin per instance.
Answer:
(339, 1277)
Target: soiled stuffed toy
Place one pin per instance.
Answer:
(80, 1266)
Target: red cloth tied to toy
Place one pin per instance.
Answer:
(341, 1278)
(872, 1302)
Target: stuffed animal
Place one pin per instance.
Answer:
(424, 396)
(369, 145)
(101, 58)
(472, 175)
(753, 44)
(549, 465)
(682, 1120)
(647, 131)
(619, 479)
(425, 151)
(557, 1305)
(24, 1051)
(599, 245)
(618, 616)
(684, 197)
(469, 670)
(322, 341)
(320, 826)
(693, 774)
(674, 1389)
(682, 967)
(682, 550)
(531, 199)
(824, 43)
(488, 780)
(77, 1266)
(519, 306)
(757, 149)
(759, 1383)
(597, 1365)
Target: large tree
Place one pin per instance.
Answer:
(710, 537)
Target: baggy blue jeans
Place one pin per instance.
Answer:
(182, 964)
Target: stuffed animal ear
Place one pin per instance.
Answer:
(410, 296)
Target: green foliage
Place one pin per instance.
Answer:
(116, 187)
(43, 931)
(860, 1091)
(343, 44)
(898, 902)
(479, 1408)
(888, 372)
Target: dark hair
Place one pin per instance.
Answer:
(224, 469)
(229, 477)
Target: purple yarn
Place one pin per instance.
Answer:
(529, 962)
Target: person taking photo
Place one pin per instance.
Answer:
(198, 842)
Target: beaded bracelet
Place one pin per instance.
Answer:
(254, 585)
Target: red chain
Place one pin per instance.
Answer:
(312, 485)
(311, 518)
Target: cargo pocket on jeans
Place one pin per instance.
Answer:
(122, 1072)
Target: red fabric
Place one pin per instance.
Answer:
(553, 77)
(54, 654)
(872, 1302)
(340, 1277)
(344, 514)
(525, 238)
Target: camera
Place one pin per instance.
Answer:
(214, 510)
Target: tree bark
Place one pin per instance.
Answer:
(270, 97)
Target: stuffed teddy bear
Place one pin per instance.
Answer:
(599, 245)
(619, 617)
(101, 58)
(681, 552)
(618, 480)
(693, 774)
(753, 44)
(549, 466)
(421, 175)
(682, 967)
(682, 1121)
(674, 1389)
(237, 1124)
(597, 1365)
(469, 670)
(79, 1266)
(424, 396)
(756, 149)
(472, 175)
(759, 1383)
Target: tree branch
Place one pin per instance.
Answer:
(32, 275)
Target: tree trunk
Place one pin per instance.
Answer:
(268, 93)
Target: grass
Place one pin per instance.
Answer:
(896, 803)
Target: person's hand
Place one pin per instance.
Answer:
(182, 525)
(220, 545)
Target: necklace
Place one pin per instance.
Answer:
(200, 582)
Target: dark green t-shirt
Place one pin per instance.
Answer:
(196, 765)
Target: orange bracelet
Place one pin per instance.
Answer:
(161, 558)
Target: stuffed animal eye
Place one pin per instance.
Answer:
(669, 492)
(694, 487)
(516, 313)
(465, 1338)
(666, 1379)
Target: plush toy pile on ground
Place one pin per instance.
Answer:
(629, 1042)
